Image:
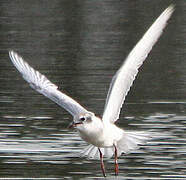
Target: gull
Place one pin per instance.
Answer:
(105, 138)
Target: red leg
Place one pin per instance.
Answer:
(102, 164)
(116, 161)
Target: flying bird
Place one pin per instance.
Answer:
(105, 138)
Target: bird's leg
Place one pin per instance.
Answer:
(102, 163)
(116, 160)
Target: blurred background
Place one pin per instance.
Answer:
(79, 45)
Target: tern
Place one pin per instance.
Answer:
(105, 138)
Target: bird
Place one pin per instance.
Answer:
(104, 137)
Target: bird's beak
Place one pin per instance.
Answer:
(73, 124)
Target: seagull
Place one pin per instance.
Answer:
(106, 139)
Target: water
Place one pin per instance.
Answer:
(79, 45)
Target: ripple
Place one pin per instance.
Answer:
(14, 117)
(163, 155)
(166, 102)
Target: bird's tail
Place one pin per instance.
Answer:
(128, 143)
(131, 141)
(92, 152)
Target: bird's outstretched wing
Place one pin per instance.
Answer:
(124, 77)
(41, 84)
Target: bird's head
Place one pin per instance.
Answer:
(84, 121)
(81, 120)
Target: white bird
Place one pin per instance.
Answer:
(105, 138)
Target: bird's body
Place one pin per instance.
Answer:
(106, 135)
(100, 134)
(105, 138)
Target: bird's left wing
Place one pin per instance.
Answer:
(124, 77)
(41, 84)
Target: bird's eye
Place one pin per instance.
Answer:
(82, 119)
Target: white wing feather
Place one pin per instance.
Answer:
(124, 77)
(41, 84)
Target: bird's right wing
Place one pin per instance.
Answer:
(123, 79)
(42, 85)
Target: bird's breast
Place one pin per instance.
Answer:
(103, 137)
(95, 138)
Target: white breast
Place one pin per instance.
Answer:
(104, 135)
